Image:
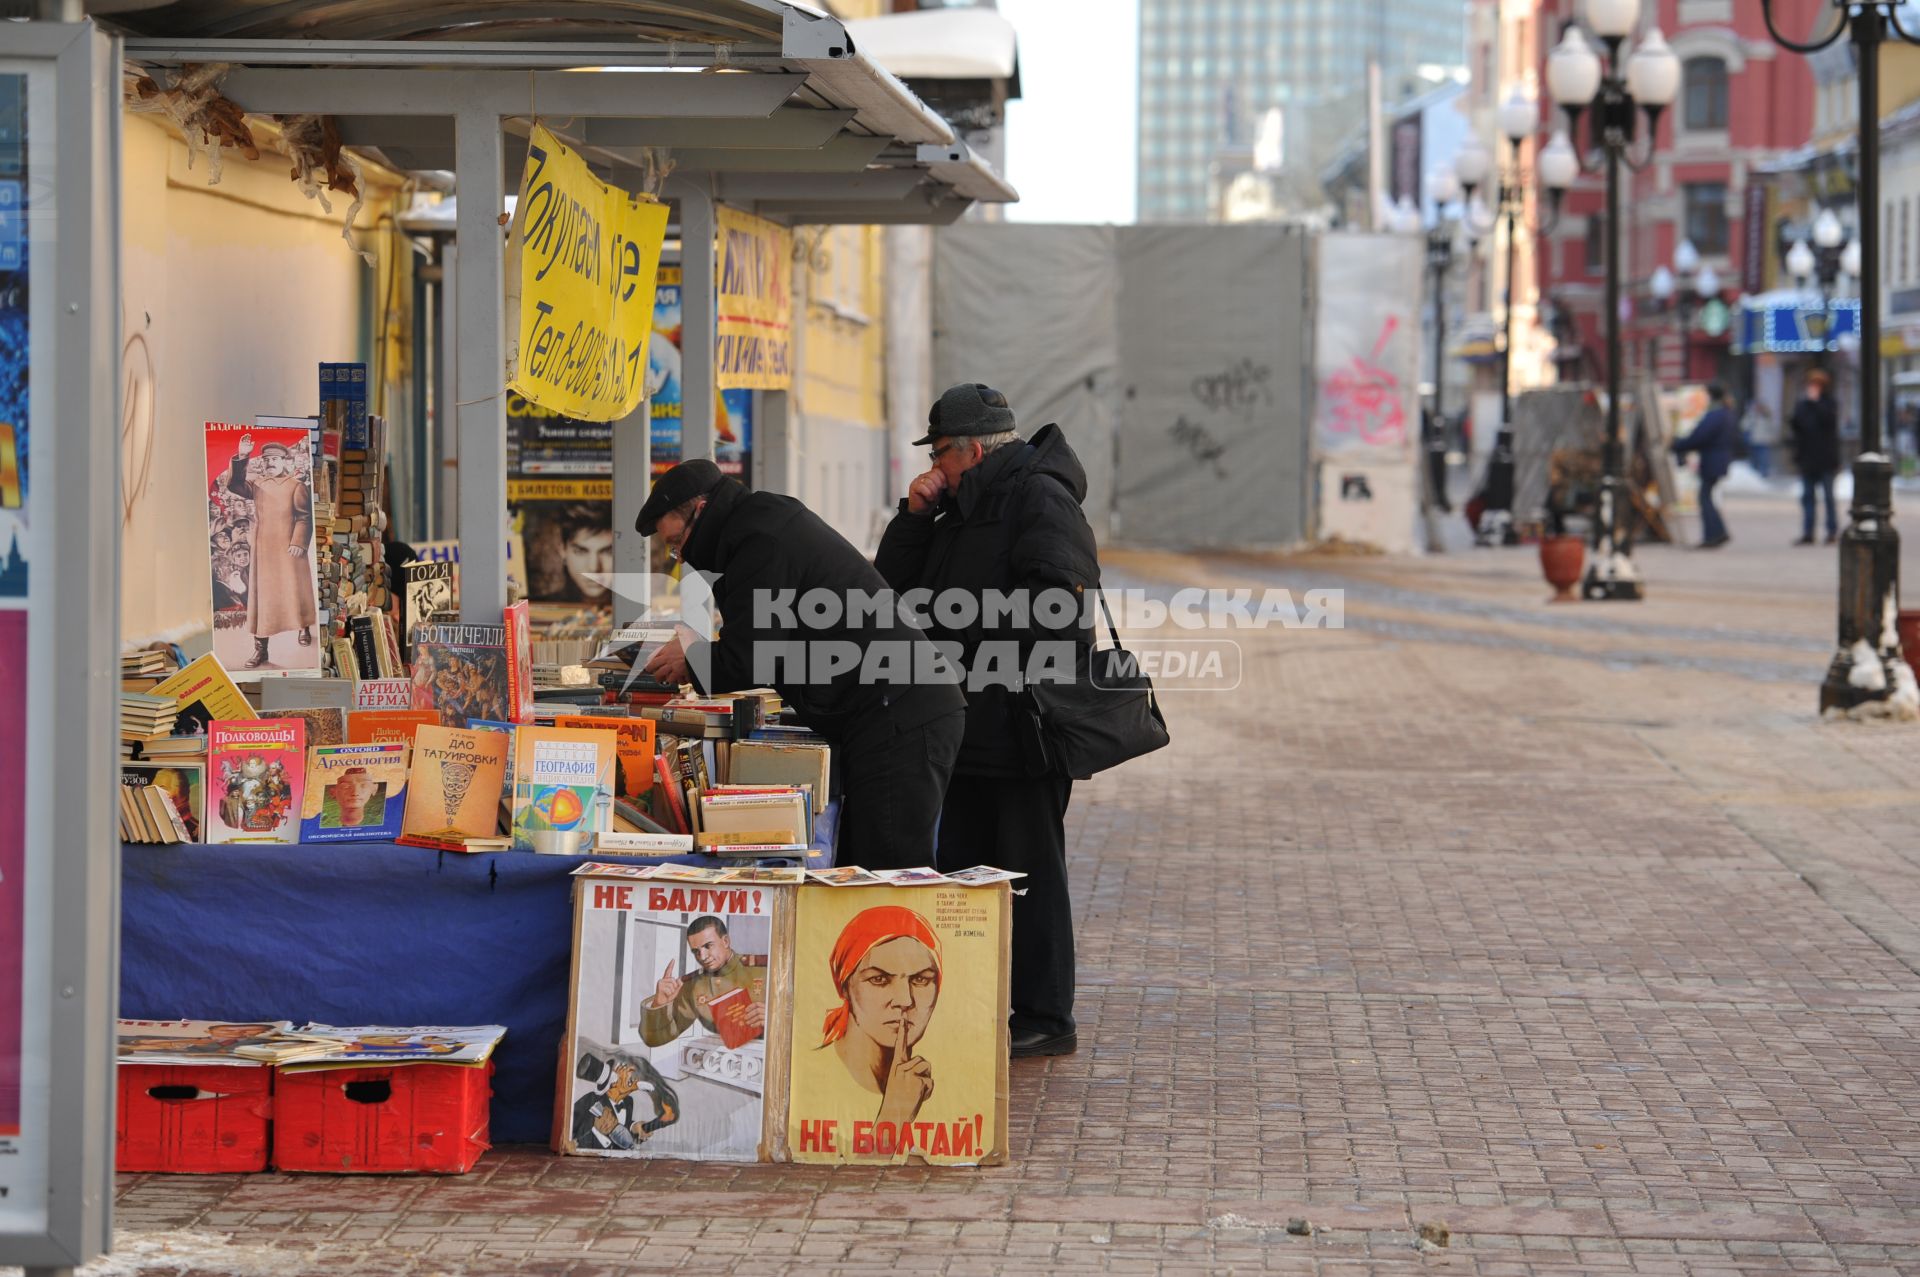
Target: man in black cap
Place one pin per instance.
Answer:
(788, 586)
(999, 514)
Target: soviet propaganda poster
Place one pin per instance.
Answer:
(899, 1025)
(260, 541)
(668, 1035)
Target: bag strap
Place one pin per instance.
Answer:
(1108, 613)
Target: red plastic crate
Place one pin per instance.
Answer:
(405, 1118)
(198, 1119)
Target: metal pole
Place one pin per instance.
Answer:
(697, 302)
(1611, 573)
(1868, 664)
(479, 330)
(1437, 436)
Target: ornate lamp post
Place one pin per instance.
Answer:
(1705, 286)
(1868, 666)
(1518, 119)
(1647, 84)
(1832, 256)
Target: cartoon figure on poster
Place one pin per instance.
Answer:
(677, 977)
(899, 1026)
(261, 550)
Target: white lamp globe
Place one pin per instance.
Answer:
(1613, 17)
(1686, 258)
(1653, 72)
(1406, 218)
(1573, 70)
(1800, 260)
(1850, 258)
(1660, 283)
(1519, 117)
(1559, 166)
(1827, 231)
(1707, 282)
(1442, 186)
(1480, 218)
(1473, 162)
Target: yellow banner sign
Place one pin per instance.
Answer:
(753, 349)
(581, 262)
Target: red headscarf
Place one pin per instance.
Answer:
(868, 929)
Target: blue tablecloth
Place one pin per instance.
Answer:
(364, 933)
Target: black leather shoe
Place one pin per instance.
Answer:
(1028, 1042)
(306, 638)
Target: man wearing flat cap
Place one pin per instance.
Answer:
(783, 582)
(1000, 514)
(280, 584)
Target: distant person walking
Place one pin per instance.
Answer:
(1816, 453)
(1714, 437)
(1762, 431)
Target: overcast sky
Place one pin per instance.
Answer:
(1070, 138)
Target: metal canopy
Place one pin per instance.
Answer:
(765, 105)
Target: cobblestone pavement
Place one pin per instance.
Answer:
(1570, 928)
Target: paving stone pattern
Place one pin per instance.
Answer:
(1608, 964)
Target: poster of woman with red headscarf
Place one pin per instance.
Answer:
(900, 1025)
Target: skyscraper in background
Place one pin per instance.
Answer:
(1210, 70)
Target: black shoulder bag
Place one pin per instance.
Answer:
(1105, 717)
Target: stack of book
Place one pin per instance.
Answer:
(350, 521)
(754, 820)
(140, 671)
(144, 714)
(155, 804)
(621, 658)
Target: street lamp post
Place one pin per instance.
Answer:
(1648, 83)
(1832, 255)
(1867, 667)
(1519, 119)
(1702, 288)
(1442, 189)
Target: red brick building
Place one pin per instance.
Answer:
(1743, 100)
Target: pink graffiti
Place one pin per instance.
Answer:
(1364, 398)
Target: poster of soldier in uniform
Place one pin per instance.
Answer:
(899, 1025)
(260, 542)
(674, 1016)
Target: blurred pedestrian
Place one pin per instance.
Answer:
(1714, 437)
(1762, 431)
(1816, 453)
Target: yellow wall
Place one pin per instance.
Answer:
(231, 295)
(843, 355)
(858, 8)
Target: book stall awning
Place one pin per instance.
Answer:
(763, 106)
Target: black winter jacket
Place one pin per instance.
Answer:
(1013, 524)
(1816, 436)
(760, 541)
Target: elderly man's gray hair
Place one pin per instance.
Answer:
(993, 443)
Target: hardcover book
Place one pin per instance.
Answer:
(454, 783)
(259, 776)
(633, 759)
(386, 726)
(185, 787)
(354, 793)
(562, 784)
(464, 671)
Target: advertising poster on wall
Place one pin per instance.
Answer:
(261, 551)
(899, 1026)
(560, 492)
(673, 1003)
(732, 409)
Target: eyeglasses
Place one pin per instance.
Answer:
(937, 453)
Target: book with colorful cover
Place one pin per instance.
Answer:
(519, 662)
(489, 725)
(462, 672)
(387, 726)
(355, 793)
(204, 692)
(454, 784)
(633, 759)
(192, 1042)
(185, 786)
(258, 772)
(562, 783)
(324, 726)
(365, 1045)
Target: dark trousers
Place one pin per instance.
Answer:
(1712, 526)
(1811, 485)
(1021, 825)
(891, 784)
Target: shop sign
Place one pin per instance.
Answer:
(753, 348)
(582, 257)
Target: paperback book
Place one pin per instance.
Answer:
(562, 785)
(454, 785)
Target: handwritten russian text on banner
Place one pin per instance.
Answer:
(581, 262)
(753, 349)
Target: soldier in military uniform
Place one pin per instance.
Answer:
(677, 1002)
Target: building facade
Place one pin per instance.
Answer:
(1212, 70)
(1743, 102)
